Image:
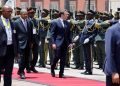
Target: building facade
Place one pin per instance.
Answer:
(114, 5)
(72, 5)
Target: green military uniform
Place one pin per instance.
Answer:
(78, 53)
(100, 43)
(43, 28)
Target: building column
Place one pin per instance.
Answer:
(32, 3)
(101, 5)
(80, 5)
(17, 3)
(66, 4)
(46, 4)
(61, 4)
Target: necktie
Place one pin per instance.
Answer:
(62, 23)
(25, 24)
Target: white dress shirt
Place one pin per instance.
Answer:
(6, 23)
(24, 23)
(62, 22)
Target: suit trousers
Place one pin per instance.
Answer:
(6, 64)
(60, 54)
(24, 61)
(109, 81)
(35, 55)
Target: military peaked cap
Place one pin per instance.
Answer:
(18, 9)
(31, 8)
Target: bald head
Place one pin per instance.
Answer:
(6, 7)
(6, 11)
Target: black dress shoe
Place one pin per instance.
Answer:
(42, 66)
(28, 71)
(34, 70)
(22, 76)
(80, 68)
(52, 73)
(18, 73)
(68, 66)
(2, 71)
(61, 75)
(87, 73)
(76, 67)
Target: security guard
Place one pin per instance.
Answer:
(35, 39)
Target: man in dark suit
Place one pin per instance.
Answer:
(112, 60)
(24, 34)
(8, 45)
(61, 40)
(35, 37)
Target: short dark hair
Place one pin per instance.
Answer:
(62, 12)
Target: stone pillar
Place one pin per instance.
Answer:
(61, 4)
(46, 4)
(101, 5)
(80, 5)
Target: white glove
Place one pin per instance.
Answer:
(76, 38)
(49, 21)
(46, 41)
(86, 40)
(39, 43)
(75, 22)
(95, 45)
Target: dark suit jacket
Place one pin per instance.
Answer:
(112, 50)
(24, 36)
(3, 38)
(35, 37)
(59, 35)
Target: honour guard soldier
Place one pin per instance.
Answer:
(17, 13)
(78, 53)
(43, 26)
(99, 45)
(87, 39)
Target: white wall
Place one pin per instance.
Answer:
(114, 4)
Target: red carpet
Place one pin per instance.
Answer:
(45, 78)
